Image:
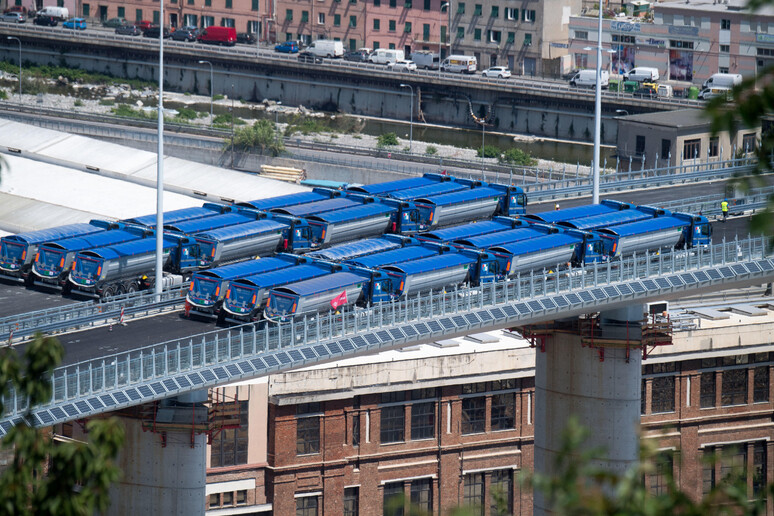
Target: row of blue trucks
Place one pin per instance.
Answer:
(102, 259)
(388, 268)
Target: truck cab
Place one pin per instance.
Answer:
(514, 202)
(699, 232)
(591, 251)
(405, 219)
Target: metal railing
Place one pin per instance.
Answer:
(152, 372)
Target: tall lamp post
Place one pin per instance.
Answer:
(597, 111)
(211, 95)
(446, 5)
(20, 65)
(276, 121)
(411, 119)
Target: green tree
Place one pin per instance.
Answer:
(45, 477)
(261, 135)
(387, 139)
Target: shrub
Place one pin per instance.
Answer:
(125, 110)
(387, 139)
(431, 150)
(3, 94)
(218, 97)
(107, 102)
(306, 126)
(262, 135)
(186, 114)
(490, 151)
(516, 156)
(78, 103)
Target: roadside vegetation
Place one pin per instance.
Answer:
(262, 137)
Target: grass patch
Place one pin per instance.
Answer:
(306, 126)
(3, 95)
(186, 114)
(78, 103)
(431, 150)
(489, 151)
(107, 102)
(516, 156)
(218, 97)
(386, 140)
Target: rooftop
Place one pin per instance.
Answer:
(678, 119)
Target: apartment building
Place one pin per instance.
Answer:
(451, 423)
(687, 41)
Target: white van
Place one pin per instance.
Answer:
(588, 79)
(326, 48)
(459, 64)
(664, 90)
(723, 80)
(642, 74)
(386, 56)
(60, 13)
(426, 59)
(711, 93)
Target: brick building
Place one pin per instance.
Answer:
(451, 423)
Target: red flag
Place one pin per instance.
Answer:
(339, 300)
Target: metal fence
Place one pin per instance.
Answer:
(208, 359)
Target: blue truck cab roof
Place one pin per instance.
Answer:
(321, 284)
(459, 197)
(471, 229)
(606, 219)
(359, 211)
(303, 210)
(427, 191)
(354, 249)
(645, 226)
(442, 261)
(502, 237)
(242, 230)
(536, 244)
(606, 206)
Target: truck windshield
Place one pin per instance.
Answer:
(11, 252)
(207, 249)
(280, 304)
(519, 200)
(87, 268)
(50, 259)
(241, 298)
(204, 290)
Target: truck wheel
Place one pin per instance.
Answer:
(131, 288)
(109, 292)
(329, 56)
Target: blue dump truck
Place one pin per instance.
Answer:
(469, 205)
(578, 212)
(192, 226)
(427, 190)
(232, 243)
(471, 229)
(605, 220)
(400, 184)
(366, 220)
(678, 231)
(363, 247)
(208, 288)
(17, 252)
(317, 207)
(329, 292)
(317, 194)
(404, 254)
(173, 217)
(504, 237)
(246, 296)
(54, 259)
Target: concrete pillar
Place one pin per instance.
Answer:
(604, 396)
(163, 472)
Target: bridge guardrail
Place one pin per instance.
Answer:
(201, 361)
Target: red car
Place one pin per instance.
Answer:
(144, 24)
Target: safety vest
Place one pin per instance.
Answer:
(724, 206)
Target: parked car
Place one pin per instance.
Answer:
(75, 23)
(114, 23)
(154, 30)
(648, 91)
(402, 66)
(13, 17)
(128, 30)
(308, 57)
(360, 56)
(217, 36)
(288, 47)
(501, 72)
(247, 38)
(187, 33)
(48, 21)
(143, 24)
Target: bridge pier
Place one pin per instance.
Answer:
(163, 461)
(589, 368)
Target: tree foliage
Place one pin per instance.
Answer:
(261, 135)
(46, 477)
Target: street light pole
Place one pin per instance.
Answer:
(276, 121)
(20, 66)
(207, 62)
(159, 283)
(483, 153)
(411, 119)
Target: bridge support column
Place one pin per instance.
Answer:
(163, 460)
(593, 373)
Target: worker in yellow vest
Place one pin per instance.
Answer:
(724, 209)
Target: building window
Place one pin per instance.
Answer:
(337, 20)
(393, 3)
(353, 21)
(582, 34)
(423, 420)
(761, 384)
(673, 43)
(392, 424)
(749, 143)
(407, 27)
(725, 49)
(734, 464)
(214, 500)
(495, 12)
(377, 3)
(461, 8)
(511, 37)
(425, 32)
(306, 506)
(391, 26)
(138, 14)
(377, 24)
(307, 428)
(241, 497)
(494, 36)
(393, 499)
(713, 146)
(289, 15)
(473, 415)
(229, 447)
(639, 146)
(320, 18)
(725, 24)
(658, 481)
(708, 469)
(503, 409)
(122, 12)
(691, 149)
(759, 469)
(408, 4)
(662, 394)
(511, 13)
(427, 5)
(477, 10)
(666, 148)
(351, 501)
(377, 45)
(422, 494)
(460, 32)
(707, 386)
(229, 4)
(734, 388)
(473, 494)
(501, 492)
(620, 38)
(528, 15)
(722, 69)
(228, 499)
(527, 40)
(304, 16)
(477, 34)
(643, 397)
